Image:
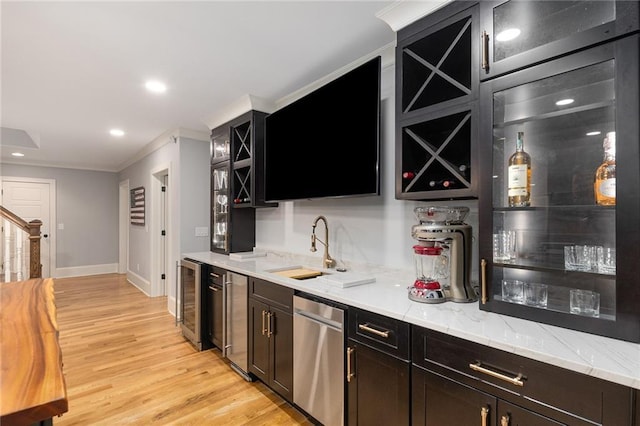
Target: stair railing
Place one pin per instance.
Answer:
(17, 232)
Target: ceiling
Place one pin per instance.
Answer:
(71, 71)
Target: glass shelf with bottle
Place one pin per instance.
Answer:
(577, 116)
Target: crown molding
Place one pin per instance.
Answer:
(403, 12)
(244, 104)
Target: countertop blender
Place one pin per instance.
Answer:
(442, 233)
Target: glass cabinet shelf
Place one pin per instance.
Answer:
(569, 110)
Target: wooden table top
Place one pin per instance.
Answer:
(32, 386)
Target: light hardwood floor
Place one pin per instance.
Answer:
(125, 362)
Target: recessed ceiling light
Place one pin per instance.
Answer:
(17, 154)
(155, 86)
(594, 133)
(562, 102)
(508, 34)
(116, 132)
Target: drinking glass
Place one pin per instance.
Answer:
(535, 294)
(512, 291)
(580, 258)
(504, 246)
(584, 302)
(606, 260)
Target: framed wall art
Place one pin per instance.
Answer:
(136, 205)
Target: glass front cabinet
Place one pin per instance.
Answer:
(564, 249)
(237, 161)
(519, 33)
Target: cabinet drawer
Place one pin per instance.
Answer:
(523, 379)
(386, 334)
(272, 294)
(216, 275)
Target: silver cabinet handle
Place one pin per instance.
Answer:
(504, 420)
(214, 275)
(366, 327)
(264, 329)
(213, 288)
(484, 415)
(350, 374)
(513, 380)
(485, 50)
(225, 335)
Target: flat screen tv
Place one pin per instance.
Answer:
(327, 143)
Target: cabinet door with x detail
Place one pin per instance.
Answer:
(437, 78)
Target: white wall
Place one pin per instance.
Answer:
(372, 230)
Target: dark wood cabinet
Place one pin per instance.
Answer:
(437, 400)
(271, 335)
(232, 230)
(237, 184)
(599, 91)
(518, 34)
(214, 309)
(241, 143)
(437, 73)
(464, 381)
(378, 370)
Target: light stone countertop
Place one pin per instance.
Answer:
(609, 359)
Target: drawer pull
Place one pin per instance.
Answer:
(366, 327)
(513, 380)
(504, 420)
(484, 415)
(264, 328)
(214, 275)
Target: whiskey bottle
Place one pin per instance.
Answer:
(604, 185)
(519, 186)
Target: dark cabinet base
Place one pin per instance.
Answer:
(271, 336)
(379, 390)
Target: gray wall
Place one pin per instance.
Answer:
(87, 205)
(194, 194)
(188, 192)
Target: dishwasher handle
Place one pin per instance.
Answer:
(318, 319)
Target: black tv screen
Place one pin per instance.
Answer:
(327, 143)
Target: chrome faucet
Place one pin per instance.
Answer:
(326, 260)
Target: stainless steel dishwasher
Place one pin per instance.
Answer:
(318, 358)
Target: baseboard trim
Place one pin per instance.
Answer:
(79, 271)
(142, 284)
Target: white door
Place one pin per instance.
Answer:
(31, 199)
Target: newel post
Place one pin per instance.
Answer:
(35, 267)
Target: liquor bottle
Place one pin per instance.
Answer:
(604, 185)
(519, 186)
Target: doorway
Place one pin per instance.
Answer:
(32, 199)
(161, 232)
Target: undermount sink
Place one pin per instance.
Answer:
(338, 279)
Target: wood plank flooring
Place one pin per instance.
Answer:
(125, 362)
